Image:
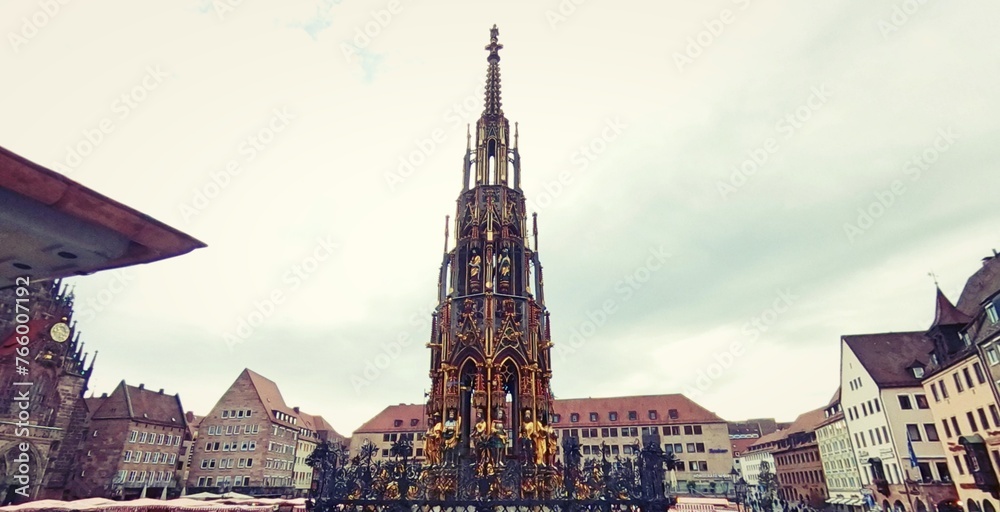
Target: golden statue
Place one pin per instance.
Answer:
(432, 441)
(452, 434)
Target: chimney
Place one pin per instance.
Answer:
(104, 395)
(296, 409)
(142, 386)
(161, 391)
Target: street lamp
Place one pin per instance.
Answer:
(741, 492)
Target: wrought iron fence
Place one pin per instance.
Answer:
(363, 483)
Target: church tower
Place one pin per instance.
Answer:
(490, 342)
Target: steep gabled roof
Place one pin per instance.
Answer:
(269, 395)
(887, 356)
(141, 404)
(980, 286)
(945, 313)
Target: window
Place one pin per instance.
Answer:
(904, 402)
(133, 436)
(991, 312)
(913, 432)
(958, 465)
(918, 373)
(921, 401)
(978, 370)
(672, 414)
(968, 378)
(652, 414)
(982, 418)
(958, 383)
(159, 439)
(632, 415)
(688, 430)
(574, 418)
(613, 416)
(931, 432)
(666, 431)
(699, 447)
(142, 437)
(225, 414)
(556, 418)
(947, 429)
(678, 448)
(878, 407)
(934, 392)
(127, 456)
(697, 430)
(972, 421)
(690, 448)
(992, 357)
(593, 416)
(954, 424)
(944, 389)
(995, 415)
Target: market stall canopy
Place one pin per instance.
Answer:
(52, 227)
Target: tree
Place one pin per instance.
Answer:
(767, 480)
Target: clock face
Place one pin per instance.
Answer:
(59, 332)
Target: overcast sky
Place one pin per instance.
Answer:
(729, 148)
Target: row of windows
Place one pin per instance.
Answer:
(141, 476)
(152, 438)
(970, 418)
(148, 457)
(403, 436)
(280, 448)
(688, 430)
(245, 446)
(231, 430)
(227, 463)
(652, 414)
(813, 476)
(797, 458)
(841, 463)
(855, 383)
(843, 482)
(940, 390)
(237, 481)
(286, 418)
(875, 435)
(237, 413)
(277, 481)
(284, 465)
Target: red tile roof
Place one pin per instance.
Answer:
(980, 286)
(807, 421)
(140, 404)
(739, 446)
(400, 418)
(888, 356)
(269, 395)
(395, 418)
(687, 411)
(768, 442)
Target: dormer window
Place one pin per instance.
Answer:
(991, 312)
(918, 372)
(397, 423)
(965, 339)
(934, 360)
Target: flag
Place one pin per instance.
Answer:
(909, 448)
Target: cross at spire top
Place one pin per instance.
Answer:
(493, 75)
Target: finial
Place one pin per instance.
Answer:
(447, 218)
(468, 137)
(934, 277)
(493, 75)
(515, 134)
